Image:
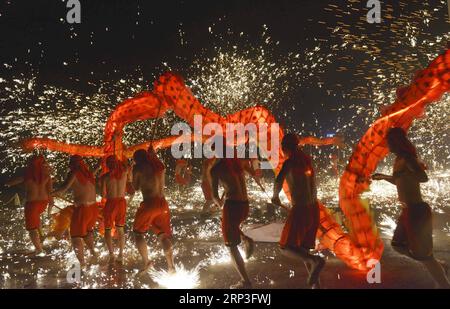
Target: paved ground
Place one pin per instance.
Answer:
(199, 249)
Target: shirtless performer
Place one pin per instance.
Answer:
(300, 229)
(153, 213)
(114, 185)
(82, 182)
(414, 233)
(230, 173)
(38, 185)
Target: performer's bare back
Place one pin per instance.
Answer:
(149, 181)
(301, 183)
(115, 188)
(37, 191)
(407, 178)
(233, 183)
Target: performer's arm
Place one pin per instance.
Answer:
(177, 168)
(278, 184)
(67, 184)
(163, 182)
(215, 186)
(135, 179)
(103, 186)
(388, 178)
(130, 179)
(50, 197)
(248, 168)
(14, 182)
(313, 184)
(97, 170)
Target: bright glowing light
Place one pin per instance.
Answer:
(387, 225)
(233, 76)
(181, 279)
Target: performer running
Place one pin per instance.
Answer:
(299, 232)
(114, 185)
(38, 185)
(414, 233)
(153, 213)
(82, 182)
(230, 173)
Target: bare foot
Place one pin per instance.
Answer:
(112, 259)
(444, 266)
(145, 268)
(94, 258)
(241, 285)
(172, 270)
(120, 259)
(82, 265)
(35, 253)
(317, 267)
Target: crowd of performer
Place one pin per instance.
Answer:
(413, 236)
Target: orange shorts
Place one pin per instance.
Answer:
(114, 212)
(33, 211)
(233, 214)
(83, 220)
(415, 231)
(207, 191)
(155, 215)
(301, 226)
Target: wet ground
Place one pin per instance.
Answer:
(201, 257)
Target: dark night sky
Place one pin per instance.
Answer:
(143, 34)
(155, 39)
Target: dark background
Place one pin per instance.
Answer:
(146, 33)
(141, 35)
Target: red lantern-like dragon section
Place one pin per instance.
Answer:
(362, 242)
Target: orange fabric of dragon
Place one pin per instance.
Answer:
(362, 242)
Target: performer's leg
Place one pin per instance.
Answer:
(317, 263)
(78, 247)
(239, 264)
(121, 235)
(36, 240)
(166, 243)
(141, 245)
(437, 272)
(109, 244)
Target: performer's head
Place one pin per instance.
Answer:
(80, 169)
(399, 144)
(153, 160)
(75, 162)
(151, 152)
(112, 162)
(115, 167)
(37, 169)
(140, 156)
(289, 144)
